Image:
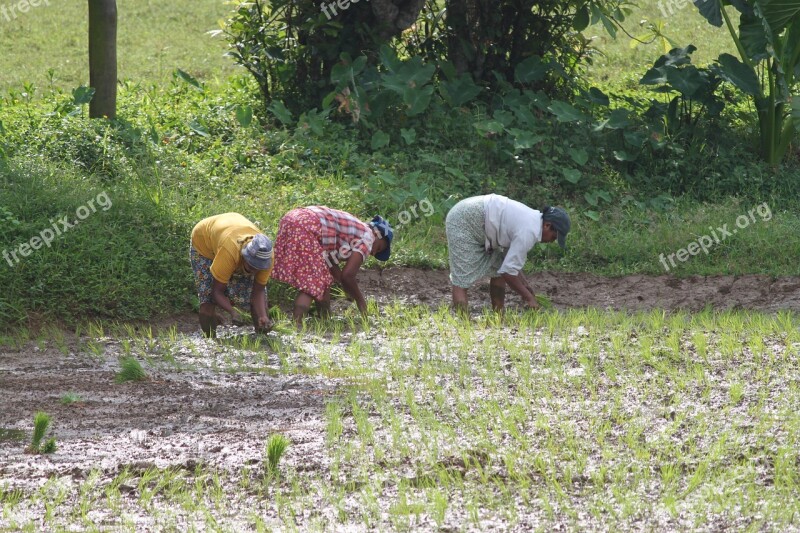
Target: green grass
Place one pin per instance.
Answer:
(70, 398)
(41, 421)
(178, 154)
(154, 38)
(275, 447)
(620, 65)
(633, 241)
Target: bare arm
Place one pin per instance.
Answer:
(218, 293)
(349, 283)
(520, 285)
(336, 272)
(258, 308)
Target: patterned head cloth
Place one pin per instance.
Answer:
(258, 252)
(386, 232)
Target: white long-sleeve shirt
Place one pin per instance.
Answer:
(512, 227)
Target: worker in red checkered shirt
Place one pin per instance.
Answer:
(317, 246)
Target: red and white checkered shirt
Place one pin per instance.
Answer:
(342, 232)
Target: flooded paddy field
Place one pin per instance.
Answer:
(415, 419)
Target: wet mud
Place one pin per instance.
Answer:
(570, 290)
(216, 410)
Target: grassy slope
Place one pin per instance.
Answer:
(621, 64)
(154, 39)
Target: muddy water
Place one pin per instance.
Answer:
(213, 404)
(197, 414)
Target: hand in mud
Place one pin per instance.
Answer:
(265, 325)
(532, 303)
(237, 319)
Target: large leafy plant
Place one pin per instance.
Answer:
(768, 68)
(692, 91)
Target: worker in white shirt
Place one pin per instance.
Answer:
(491, 235)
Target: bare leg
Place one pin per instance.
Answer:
(497, 293)
(324, 305)
(209, 320)
(460, 300)
(301, 306)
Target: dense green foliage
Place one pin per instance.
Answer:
(292, 48)
(768, 42)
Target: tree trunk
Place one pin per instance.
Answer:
(395, 16)
(459, 39)
(103, 58)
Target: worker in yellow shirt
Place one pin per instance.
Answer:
(232, 262)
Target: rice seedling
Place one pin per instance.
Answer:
(49, 446)
(130, 370)
(172, 334)
(736, 393)
(544, 302)
(125, 347)
(243, 343)
(275, 448)
(112, 490)
(335, 425)
(56, 335)
(70, 398)
(41, 423)
(586, 419)
(16, 339)
(144, 488)
(95, 348)
(95, 329)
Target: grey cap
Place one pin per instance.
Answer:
(258, 252)
(559, 219)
